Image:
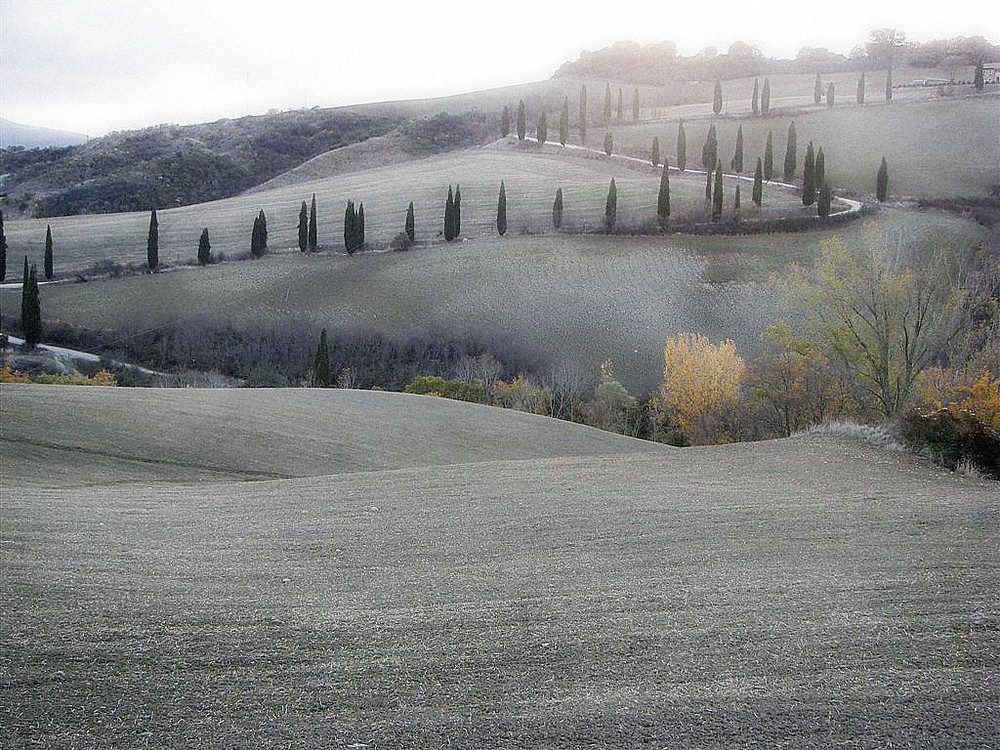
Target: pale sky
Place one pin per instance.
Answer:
(92, 66)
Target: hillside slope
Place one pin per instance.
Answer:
(57, 436)
(812, 592)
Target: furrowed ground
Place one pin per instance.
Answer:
(811, 592)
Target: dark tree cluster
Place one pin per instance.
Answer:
(354, 227)
(258, 236)
(453, 213)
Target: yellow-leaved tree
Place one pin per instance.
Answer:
(701, 386)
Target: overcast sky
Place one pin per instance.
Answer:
(93, 66)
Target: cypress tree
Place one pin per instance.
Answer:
(457, 208)
(47, 264)
(882, 181)
(755, 99)
(736, 202)
(979, 80)
(204, 248)
(303, 227)
(809, 177)
(737, 163)
(505, 122)
(3, 250)
(888, 85)
(521, 121)
(717, 98)
(313, 231)
(410, 226)
(321, 362)
(820, 170)
(717, 194)
(710, 151)
(609, 143)
(153, 242)
(769, 157)
(542, 132)
(25, 291)
(765, 97)
(860, 95)
(263, 232)
(583, 114)
(557, 209)
(829, 94)
(607, 101)
(757, 196)
(824, 199)
(817, 90)
(449, 216)
(663, 197)
(361, 226)
(635, 106)
(31, 319)
(611, 207)
(655, 157)
(564, 122)
(350, 227)
(790, 155)
(681, 146)
(708, 186)
(621, 108)
(502, 211)
(255, 238)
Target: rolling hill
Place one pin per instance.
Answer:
(812, 592)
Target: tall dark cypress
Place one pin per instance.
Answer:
(765, 97)
(635, 105)
(410, 226)
(758, 185)
(583, 114)
(31, 321)
(522, 123)
(829, 94)
(557, 209)
(542, 133)
(769, 157)
(717, 98)
(564, 122)
(255, 249)
(710, 151)
(609, 143)
(321, 362)
(505, 122)
(3, 250)
(502, 211)
(823, 200)
(153, 242)
(449, 216)
(708, 186)
(809, 177)
(663, 197)
(303, 227)
(736, 202)
(621, 107)
(47, 261)
(611, 207)
(25, 291)
(361, 226)
(607, 101)
(263, 231)
(820, 170)
(717, 194)
(790, 153)
(457, 208)
(817, 90)
(737, 163)
(755, 99)
(860, 95)
(655, 155)
(204, 248)
(350, 227)
(979, 79)
(313, 232)
(882, 181)
(681, 146)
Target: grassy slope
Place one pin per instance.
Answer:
(583, 298)
(273, 433)
(813, 592)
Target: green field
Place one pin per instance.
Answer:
(813, 592)
(581, 299)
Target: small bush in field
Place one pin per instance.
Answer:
(954, 436)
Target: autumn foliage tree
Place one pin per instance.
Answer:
(701, 387)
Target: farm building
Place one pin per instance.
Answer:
(991, 72)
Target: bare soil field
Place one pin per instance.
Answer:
(812, 593)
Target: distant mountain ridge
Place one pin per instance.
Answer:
(33, 136)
